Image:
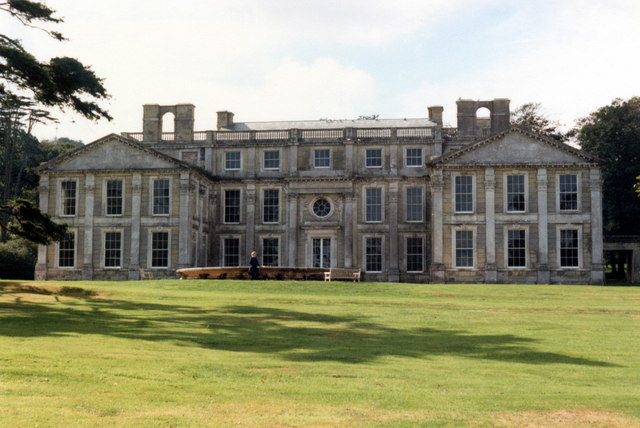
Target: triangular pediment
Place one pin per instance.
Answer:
(113, 153)
(516, 147)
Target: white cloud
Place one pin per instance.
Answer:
(581, 59)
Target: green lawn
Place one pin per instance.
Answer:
(229, 353)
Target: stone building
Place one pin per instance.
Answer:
(401, 199)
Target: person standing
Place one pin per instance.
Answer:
(254, 264)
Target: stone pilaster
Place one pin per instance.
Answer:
(251, 217)
(184, 229)
(394, 272)
(293, 159)
(251, 162)
(348, 230)
(43, 193)
(491, 274)
(543, 229)
(437, 244)
(210, 160)
(597, 268)
(87, 262)
(134, 242)
(292, 228)
(393, 159)
(350, 165)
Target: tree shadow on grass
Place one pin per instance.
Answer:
(291, 335)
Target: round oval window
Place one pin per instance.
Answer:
(321, 208)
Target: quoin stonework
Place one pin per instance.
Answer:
(400, 199)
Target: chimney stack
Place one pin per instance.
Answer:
(225, 119)
(435, 114)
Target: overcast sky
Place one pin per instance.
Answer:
(304, 59)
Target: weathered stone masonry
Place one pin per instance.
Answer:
(379, 195)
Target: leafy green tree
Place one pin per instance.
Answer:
(529, 116)
(27, 87)
(612, 133)
(62, 82)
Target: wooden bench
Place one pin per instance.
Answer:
(342, 274)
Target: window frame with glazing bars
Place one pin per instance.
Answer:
(159, 200)
(269, 257)
(68, 203)
(271, 206)
(414, 258)
(114, 201)
(232, 213)
(464, 202)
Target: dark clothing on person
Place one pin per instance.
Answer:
(254, 272)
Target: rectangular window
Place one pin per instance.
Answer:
(374, 158)
(515, 194)
(373, 254)
(232, 206)
(161, 191)
(568, 188)
(321, 252)
(112, 249)
(464, 248)
(516, 248)
(271, 206)
(67, 251)
(322, 158)
(270, 251)
(414, 204)
(271, 159)
(114, 197)
(464, 193)
(231, 252)
(69, 197)
(373, 202)
(414, 255)
(569, 248)
(414, 157)
(232, 160)
(160, 249)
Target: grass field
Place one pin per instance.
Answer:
(239, 353)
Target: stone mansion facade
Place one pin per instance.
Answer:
(400, 199)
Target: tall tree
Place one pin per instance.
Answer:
(62, 81)
(17, 117)
(612, 133)
(27, 85)
(529, 116)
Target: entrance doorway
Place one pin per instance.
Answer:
(321, 252)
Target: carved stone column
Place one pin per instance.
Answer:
(136, 213)
(437, 247)
(41, 265)
(87, 263)
(491, 274)
(543, 229)
(292, 228)
(394, 272)
(251, 218)
(184, 231)
(597, 268)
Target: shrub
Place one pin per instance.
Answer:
(17, 259)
